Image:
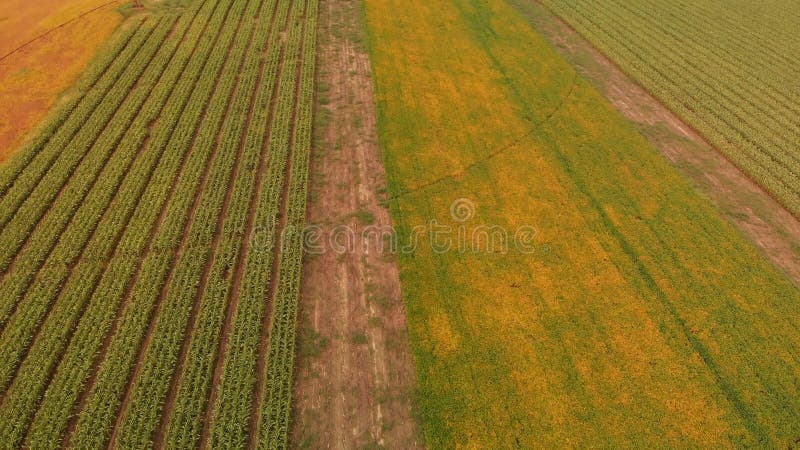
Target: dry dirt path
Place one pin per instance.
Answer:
(355, 376)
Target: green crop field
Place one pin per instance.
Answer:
(134, 308)
(642, 319)
(589, 292)
(729, 68)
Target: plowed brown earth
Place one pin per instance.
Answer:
(355, 377)
(760, 218)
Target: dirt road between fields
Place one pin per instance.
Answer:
(355, 377)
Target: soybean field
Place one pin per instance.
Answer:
(145, 297)
(723, 66)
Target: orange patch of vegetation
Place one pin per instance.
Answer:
(32, 78)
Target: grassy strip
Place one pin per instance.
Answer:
(641, 318)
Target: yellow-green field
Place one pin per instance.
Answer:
(642, 318)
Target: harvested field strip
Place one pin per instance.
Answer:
(735, 91)
(94, 73)
(130, 255)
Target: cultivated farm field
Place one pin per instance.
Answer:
(642, 319)
(135, 310)
(726, 67)
(345, 224)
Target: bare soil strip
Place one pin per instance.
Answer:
(355, 376)
(773, 229)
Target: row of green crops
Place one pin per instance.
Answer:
(177, 298)
(30, 197)
(66, 245)
(133, 309)
(725, 70)
(193, 392)
(278, 396)
(71, 299)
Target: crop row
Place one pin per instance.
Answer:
(112, 385)
(134, 301)
(179, 296)
(185, 421)
(757, 140)
(738, 88)
(58, 248)
(74, 368)
(102, 68)
(27, 262)
(233, 404)
(280, 362)
(710, 88)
